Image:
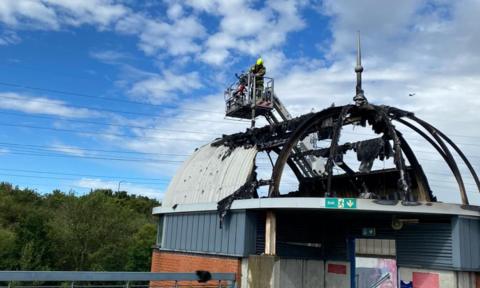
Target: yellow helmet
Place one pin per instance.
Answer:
(259, 61)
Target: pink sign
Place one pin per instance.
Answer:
(337, 269)
(425, 280)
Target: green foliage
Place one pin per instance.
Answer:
(137, 253)
(59, 231)
(7, 248)
(31, 235)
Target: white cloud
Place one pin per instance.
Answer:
(96, 12)
(178, 38)
(165, 87)
(108, 56)
(9, 38)
(175, 11)
(131, 24)
(267, 27)
(180, 34)
(203, 5)
(35, 14)
(206, 122)
(132, 188)
(215, 56)
(4, 151)
(40, 105)
(53, 14)
(218, 48)
(67, 149)
(382, 21)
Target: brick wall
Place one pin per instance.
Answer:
(163, 261)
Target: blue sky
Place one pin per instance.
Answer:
(93, 93)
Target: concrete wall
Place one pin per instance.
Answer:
(244, 270)
(337, 274)
(423, 278)
(446, 279)
(274, 272)
(301, 273)
(466, 280)
(263, 271)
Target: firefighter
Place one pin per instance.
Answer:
(258, 70)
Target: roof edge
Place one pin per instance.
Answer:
(318, 203)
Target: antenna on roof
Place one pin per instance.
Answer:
(359, 96)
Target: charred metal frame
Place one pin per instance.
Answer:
(283, 138)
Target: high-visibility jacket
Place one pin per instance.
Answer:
(259, 71)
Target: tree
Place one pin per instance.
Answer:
(140, 251)
(60, 231)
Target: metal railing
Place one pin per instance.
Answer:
(380, 281)
(243, 92)
(72, 279)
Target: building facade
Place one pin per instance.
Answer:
(319, 246)
(355, 227)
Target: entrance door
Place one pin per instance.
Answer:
(375, 263)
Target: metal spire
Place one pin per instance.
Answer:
(359, 96)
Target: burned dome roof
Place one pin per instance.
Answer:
(234, 155)
(283, 137)
(210, 174)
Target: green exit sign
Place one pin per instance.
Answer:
(368, 232)
(342, 203)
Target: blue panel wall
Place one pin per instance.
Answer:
(440, 242)
(201, 232)
(466, 243)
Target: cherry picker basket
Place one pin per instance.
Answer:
(242, 97)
